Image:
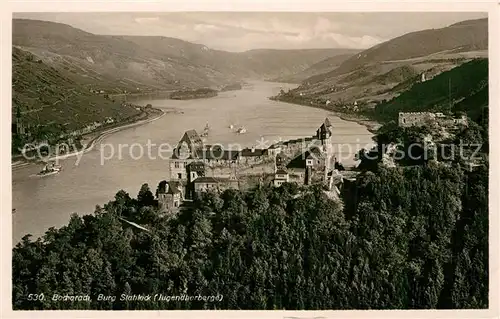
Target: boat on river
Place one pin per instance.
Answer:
(241, 130)
(50, 169)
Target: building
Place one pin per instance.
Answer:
(303, 166)
(252, 155)
(214, 184)
(194, 171)
(170, 196)
(184, 153)
(281, 176)
(280, 161)
(216, 155)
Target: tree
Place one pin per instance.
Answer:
(145, 196)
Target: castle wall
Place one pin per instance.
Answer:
(426, 118)
(415, 119)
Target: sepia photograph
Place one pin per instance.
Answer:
(250, 160)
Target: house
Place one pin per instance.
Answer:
(170, 196)
(214, 184)
(280, 177)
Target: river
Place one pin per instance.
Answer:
(45, 202)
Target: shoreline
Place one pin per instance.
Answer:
(87, 147)
(371, 125)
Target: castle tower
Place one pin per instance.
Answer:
(324, 134)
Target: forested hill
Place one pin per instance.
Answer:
(464, 88)
(415, 238)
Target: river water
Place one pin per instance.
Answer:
(41, 203)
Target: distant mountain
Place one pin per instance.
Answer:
(157, 62)
(259, 63)
(44, 95)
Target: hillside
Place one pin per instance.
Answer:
(152, 62)
(260, 63)
(321, 67)
(464, 88)
(386, 70)
(45, 95)
(469, 35)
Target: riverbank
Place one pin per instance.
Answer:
(91, 139)
(371, 125)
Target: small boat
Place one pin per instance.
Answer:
(241, 130)
(231, 126)
(13, 210)
(50, 169)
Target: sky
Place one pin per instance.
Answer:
(240, 31)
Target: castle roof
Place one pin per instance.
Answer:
(214, 180)
(193, 142)
(193, 137)
(217, 153)
(247, 152)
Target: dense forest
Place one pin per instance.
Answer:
(409, 237)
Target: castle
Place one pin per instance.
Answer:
(418, 119)
(304, 161)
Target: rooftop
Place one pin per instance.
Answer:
(217, 154)
(253, 152)
(193, 136)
